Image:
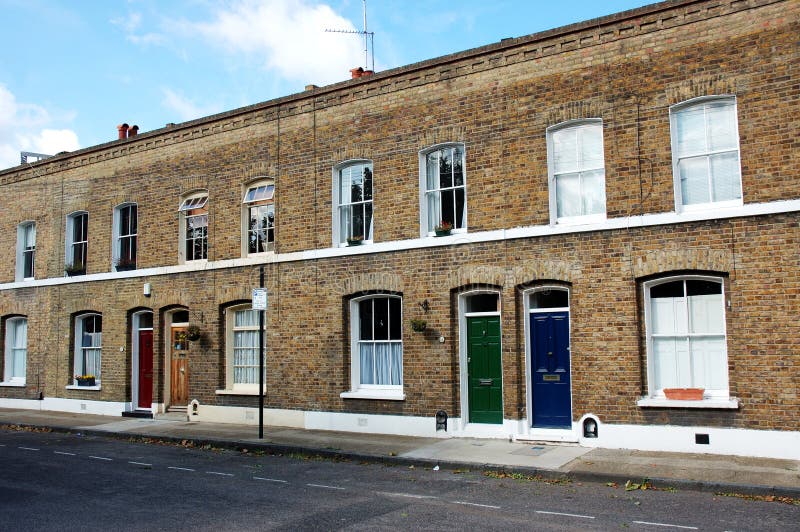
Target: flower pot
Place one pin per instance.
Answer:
(354, 242)
(442, 232)
(684, 394)
(86, 382)
(418, 325)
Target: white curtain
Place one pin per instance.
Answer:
(381, 363)
(245, 347)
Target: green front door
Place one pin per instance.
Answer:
(484, 370)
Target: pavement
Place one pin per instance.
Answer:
(706, 472)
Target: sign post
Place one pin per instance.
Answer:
(260, 304)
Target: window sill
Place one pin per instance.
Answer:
(719, 404)
(239, 392)
(12, 384)
(381, 395)
(76, 387)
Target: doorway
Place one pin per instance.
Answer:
(482, 358)
(178, 359)
(142, 360)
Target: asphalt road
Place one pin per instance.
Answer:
(55, 481)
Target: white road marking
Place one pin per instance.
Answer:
(476, 504)
(139, 463)
(28, 449)
(271, 480)
(666, 524)
(101, 458)
(180, 468)
(567, 515)
(65, 454)
(409, 495)
(324, 486)
(220, 474)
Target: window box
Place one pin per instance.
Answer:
(86, 381)
(684, 394)
(443, 229)
(74, 269)
(125, 266)
(355, 241)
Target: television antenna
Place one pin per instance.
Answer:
(367, 35)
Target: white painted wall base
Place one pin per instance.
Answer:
(669, 438)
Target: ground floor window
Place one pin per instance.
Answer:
(686, 338)
(88, 346)
(242, 348)
(377, 343)
(16, 350)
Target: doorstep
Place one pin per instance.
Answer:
(146, 414)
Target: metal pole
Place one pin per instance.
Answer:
(261, 362)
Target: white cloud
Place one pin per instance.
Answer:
(184, 107)
(23, 127)
(286, 36)
(130, 24)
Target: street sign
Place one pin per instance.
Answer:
(259, 299)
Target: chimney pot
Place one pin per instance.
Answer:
(133, 131)
(311, 87)
(356, 72)
(122, 129)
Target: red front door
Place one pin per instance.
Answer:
(145, 369)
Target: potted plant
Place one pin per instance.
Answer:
(192, 333)
(684, 394)
(74, 268)
(418, 325)
(124, 264)
(443, 229)
(355, 240)
(85, 380)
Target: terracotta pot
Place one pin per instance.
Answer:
(684, 394)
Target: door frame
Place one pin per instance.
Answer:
(167, 342)
(135, 328)
(545, 433)
(462, 345)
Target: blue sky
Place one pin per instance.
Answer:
(71, 70)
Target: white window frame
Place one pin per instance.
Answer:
(25, 232)
(117, 229)
(389, 392)
(429, 220)
(71, 243)
(721, 394)
(251, 201)
(78, 349)
(196, 201)
(579, 126)
(13, 350)
(694, 103)
(230, 329)
(340, 235)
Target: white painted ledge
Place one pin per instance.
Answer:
(238, 392)
(374, 394)
(76, 387)
(12, 384)
(717, 404)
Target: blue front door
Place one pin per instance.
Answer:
(552, 404)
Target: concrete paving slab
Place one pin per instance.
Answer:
(499, 452)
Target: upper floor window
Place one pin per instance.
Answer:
(194, 227)
(444, 202)
(77, 240)
(258, 217)
(26, 251)
(242, 347)
(705, 152)
(16, 350)
(376, 356)
(125, 236)
(353, 202)
(686, 339)
(88, 345)
(577, 171)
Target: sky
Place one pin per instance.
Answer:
(72, 70)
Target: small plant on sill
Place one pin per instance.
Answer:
(85, 380)
(443, 229)
(356, 240)
(124, 264)
(74, 268)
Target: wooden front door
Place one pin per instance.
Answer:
(145, 369)
(485, 370)
(179, 368)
